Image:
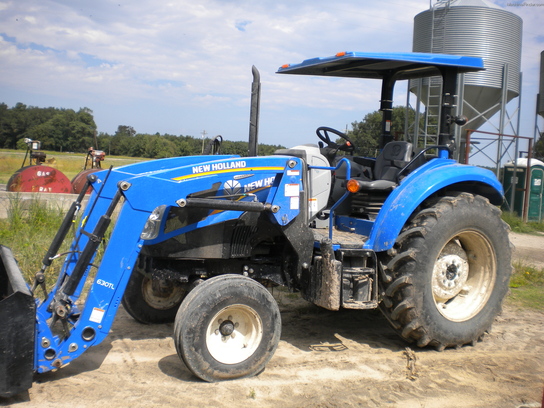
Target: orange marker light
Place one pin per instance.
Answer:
(285, 65)
(341, 54)
(353, 186)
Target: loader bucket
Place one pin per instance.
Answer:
(17, 327)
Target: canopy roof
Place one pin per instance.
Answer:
(379, 65)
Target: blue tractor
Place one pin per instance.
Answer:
(198, 240)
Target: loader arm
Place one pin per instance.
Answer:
(231, 186)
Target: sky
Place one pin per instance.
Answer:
(184, 67)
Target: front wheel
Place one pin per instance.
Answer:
(449, 271)
(228, 327)
(151, 301)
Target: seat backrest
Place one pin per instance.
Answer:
(393, 157)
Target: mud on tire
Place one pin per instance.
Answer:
(448, 272)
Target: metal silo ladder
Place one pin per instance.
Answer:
(434, 93)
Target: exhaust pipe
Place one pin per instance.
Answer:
(254, 113)
(17, 327)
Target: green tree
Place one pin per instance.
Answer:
(57, 129)
(159, 147)
(14, 123)
(538, 149)
(103, 142)
(366, 134)
(122, 140)
(68, 130)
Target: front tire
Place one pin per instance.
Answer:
(152, 301)
(228, 327)
(449, 272)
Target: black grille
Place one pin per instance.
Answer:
(241, 241)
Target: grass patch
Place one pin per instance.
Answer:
(528, 297)
(517, 224)
(28, 231)
(527, 286)
(527, 281)
(526, 275)
(68, 163)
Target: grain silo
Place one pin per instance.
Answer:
(474, 28)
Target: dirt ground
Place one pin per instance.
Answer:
(324, 359)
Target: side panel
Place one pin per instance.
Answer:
(418, 186)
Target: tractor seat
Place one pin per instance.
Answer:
(386, 167)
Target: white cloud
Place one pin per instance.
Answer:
(126, 59)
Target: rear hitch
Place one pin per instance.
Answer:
(17, 327)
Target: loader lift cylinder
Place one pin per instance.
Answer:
(95, 239)
(65, 226)
(225, 205)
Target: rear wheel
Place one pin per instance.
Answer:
(228, 327)
(449, 271)
(152, 301)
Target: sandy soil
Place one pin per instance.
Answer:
(528, 248)
(325, 359)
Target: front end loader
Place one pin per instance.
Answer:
(18, 322)
(199, 240)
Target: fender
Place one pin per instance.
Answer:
(421, 184)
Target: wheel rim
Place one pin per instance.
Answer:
(464, 275)
(162, 294)
(234, 334)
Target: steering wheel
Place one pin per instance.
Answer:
(214, 146)
(323, 135)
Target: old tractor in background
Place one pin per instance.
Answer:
(93, 163)
(37, 177)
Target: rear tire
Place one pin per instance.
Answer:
(228, 327)
(449, 271)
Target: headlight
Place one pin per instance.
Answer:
(152, 226)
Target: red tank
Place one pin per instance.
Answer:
(39, 179)
(78, 182)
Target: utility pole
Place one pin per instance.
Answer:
(203, 133)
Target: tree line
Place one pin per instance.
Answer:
(65, 130)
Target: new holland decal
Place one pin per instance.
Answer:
(224, 167)
(233, 187)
